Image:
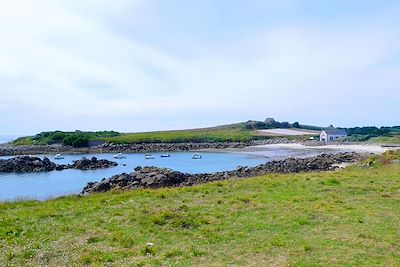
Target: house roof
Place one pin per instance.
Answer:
(335, 131)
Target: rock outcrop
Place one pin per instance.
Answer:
(35, 164)
(26, 164)
(89, 164)
(93, 163)
(153, 177)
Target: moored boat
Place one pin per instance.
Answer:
(148, 156)
(196, 156)
(119, 156)
(58, 156)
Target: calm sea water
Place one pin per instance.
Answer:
(47, 185)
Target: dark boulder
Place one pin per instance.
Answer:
(93, 163)
(26, 164)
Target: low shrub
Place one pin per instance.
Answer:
(76, 141)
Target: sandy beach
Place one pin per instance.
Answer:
(365, 148)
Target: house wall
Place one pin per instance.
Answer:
(324, 137)
(334, 137)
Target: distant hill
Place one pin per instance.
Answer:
(235, 132)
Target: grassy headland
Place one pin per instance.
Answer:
(347, 217)
(234, 133)
(217, 134)
(237, 132)
(76, 138)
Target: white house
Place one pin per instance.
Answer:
(330, 135)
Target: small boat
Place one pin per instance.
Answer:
(197, 156)
(119, 156)
(148, 156)
(58, 156)
(165, 155)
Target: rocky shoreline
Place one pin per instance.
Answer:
(25, 164)
(12, 150)
(154, 177)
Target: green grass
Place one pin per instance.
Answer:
(202, 135)
(386, 140)
(343, 218)
(25, 141)
(227, 133)
(59, 137)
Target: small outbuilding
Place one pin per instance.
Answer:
(332, 134)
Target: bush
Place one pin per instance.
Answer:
(278, 124)
(78, 140)
(371, 131)
(255, 125)
(57, 136)
(270, 124)
(296, 125)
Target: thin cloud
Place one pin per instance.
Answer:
(66, 66)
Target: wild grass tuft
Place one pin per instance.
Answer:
(342, 218)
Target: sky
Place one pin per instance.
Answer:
(143, 65)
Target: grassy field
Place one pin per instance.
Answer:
(204, 135)
(59, 137)
(24, 141)
(386, 140)
(236, 132)
(227, 133)
(343, 218)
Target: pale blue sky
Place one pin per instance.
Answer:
(143, 65)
